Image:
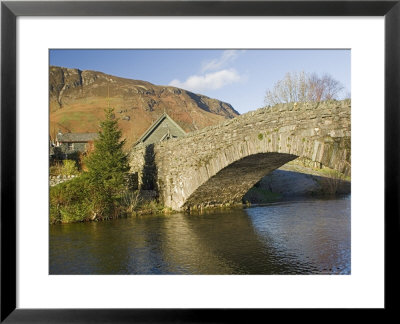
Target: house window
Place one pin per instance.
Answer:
(70, 146)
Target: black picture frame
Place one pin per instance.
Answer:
(10, 10)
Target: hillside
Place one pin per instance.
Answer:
(78, 99)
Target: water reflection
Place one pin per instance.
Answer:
(311, 236)
(294, 237)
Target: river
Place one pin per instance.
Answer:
(309, 236)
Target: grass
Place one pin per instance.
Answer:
(71, 118)
(66, 168)
(151, 207)
(323, 172)
(330, 173)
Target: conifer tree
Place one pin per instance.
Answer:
(107, 167)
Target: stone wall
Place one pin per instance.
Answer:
(55, 180)
(75, 148)
(217, 165)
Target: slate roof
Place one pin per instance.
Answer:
(150, 130)
(76, 137)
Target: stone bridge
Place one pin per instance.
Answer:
(217, 165)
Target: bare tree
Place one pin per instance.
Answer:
(292, 88)
(315, 88)
(302, 87)
(331, 86)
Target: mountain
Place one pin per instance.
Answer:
(78, 99)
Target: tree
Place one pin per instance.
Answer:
(107, 167)
(323, 88)
(292, 88)
(302, 87)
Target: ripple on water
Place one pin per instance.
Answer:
(297, 237)
(312, 236)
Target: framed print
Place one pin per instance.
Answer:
(190, 153)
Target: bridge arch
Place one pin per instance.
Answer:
(230, 184)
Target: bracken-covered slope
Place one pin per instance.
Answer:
(78, 99)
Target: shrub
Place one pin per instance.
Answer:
(55, 169)
(69, 168)
(65, 168)
(152, 207)
(70, 201)
(131, 200)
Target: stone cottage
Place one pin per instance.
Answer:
(74, 142)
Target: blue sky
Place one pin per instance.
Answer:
(239, 77)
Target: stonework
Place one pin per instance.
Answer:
(217, 165)
(74, 142)
(55, 180)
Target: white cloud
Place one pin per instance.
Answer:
(214, 74)
(226, 58)
(209, 81)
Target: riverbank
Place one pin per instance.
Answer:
(291, 181)
(294, 180)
